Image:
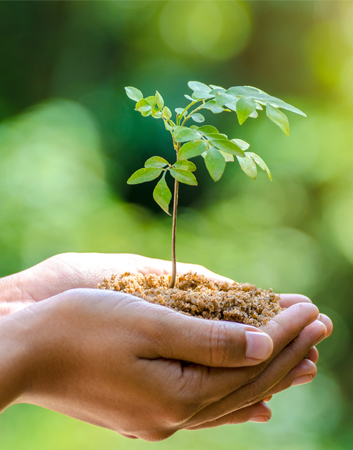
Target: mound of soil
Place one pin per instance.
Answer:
(196, 295)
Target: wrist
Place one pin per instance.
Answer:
(15, 354)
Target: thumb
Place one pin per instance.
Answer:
(211, 343)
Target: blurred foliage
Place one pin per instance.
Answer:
(69, 140)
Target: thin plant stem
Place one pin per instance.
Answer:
(175, 208)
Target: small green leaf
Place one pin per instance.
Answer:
(181, 111)
(241, 144)
(232, 105)
(260, 162)
(278, 117)
(216, 136)
(157, 114)
(197, 86)
(208, 129)
(245, 106)
(197, 117)
(228, 147)
(151, 100)
(254, 114)
(166, 113)
(134, 93)
(243, 90)
(143, 107)
(143, 175)
(159, 99)
(162, 195)
(189, 98)
(215, 163)
(211, 105)
(227, 156)
(157, 162)
(184, 176)
(222, 99)
(185, 165)
(248, 166)
(187, 135)
(201, 95)
(217, 87)
(192, 149)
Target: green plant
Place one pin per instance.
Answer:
(215, 147)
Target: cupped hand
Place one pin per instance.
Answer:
(117, 361)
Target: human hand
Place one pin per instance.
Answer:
(116, 361)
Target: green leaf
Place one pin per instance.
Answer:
(248, 166)
(215, 163)
(157, 162)
(197, 86)
(245, 106)
(186, 134)
(184, 176)
(159, 99)
(254, 114)
(227, 156)
(241, 144)
(143, 107)
(166, 113)
(222, 99)
(157, 114)
(278, 117)
(216, 136)
(217, 87)
(192, 149)
(151, 100)
(208, 129)
(162, 195)
(228, 147)
(185, 165)
(143, 175)
(260, 162)
(260, 95)
(180, 111)
(197, 117)
(243, 91)
(134, 93)
(211, 105)
(232, 105)
(189, 98)
(281, 104)
(201, 95)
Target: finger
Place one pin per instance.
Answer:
(272, 375)
(288, 300)
(267, 399)
(210, 343)
(313, 355)
(327, 322)
(215, 383)
(259, 412)
(303, 373)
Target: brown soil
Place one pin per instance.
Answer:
(196, 295)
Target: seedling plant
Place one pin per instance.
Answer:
(191, 141)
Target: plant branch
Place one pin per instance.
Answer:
(175, 210)
(193, 112)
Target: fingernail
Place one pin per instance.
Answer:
(258, 345)
(259, 419)
(302, 380)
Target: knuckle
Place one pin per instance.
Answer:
(220, 345)
(158, 435)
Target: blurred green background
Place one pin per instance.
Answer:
(69, 139)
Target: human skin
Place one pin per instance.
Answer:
(116, 361)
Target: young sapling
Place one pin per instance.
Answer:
(191, 141)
